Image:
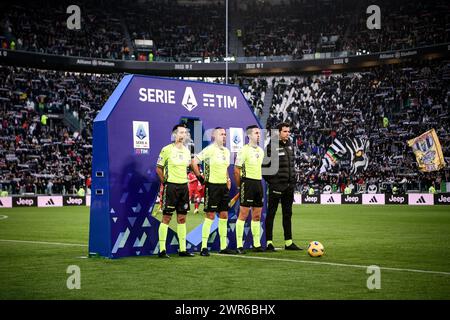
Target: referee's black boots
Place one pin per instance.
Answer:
(204, 252)
(163, 254)
(186, 254)
(240, 250)
(293, 246)
(227, 251)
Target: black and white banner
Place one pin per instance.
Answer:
(24, 201)
(74, 201)
(396, 199)
(310, 199)
(415, 199)
(442, 199)
(352, 199)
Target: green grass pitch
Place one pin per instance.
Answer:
(400, 237)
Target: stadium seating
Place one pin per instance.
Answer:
(46, 116)
(181, 31)
(412, 97)
(52, 158)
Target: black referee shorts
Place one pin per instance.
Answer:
(216, 197)
(175, 197)
(251, 193)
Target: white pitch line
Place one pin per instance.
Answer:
(253, 257)
(43, 242)
(3, 217)
(333, 264)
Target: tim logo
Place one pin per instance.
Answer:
(442, 199)
(189, 101)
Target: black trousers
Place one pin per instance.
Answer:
(287, 199)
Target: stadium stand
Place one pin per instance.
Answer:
(254, 91)
(413, 97)
(187, 31)
(40, 26)
(55, 157)
(46, 116)
(40, 152)
(181, 32)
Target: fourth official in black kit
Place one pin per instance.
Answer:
(281, 187)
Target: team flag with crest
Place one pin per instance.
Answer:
(428, 151)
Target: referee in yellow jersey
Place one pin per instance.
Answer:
(171, 168)
(247, 173)
(216, 159)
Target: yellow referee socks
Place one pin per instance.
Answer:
(223, 233)
(239, 232)
(205, 232)
(181, 230)
(256, 231)
(162, 236)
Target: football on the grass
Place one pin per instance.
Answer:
(315, 249)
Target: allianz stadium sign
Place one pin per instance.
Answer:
(328, 62)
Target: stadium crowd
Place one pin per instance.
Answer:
(43, 151)
(387, 105)
(46, 126)
(39, 151)
(41, 26)
(254, 90)
(178, 30)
